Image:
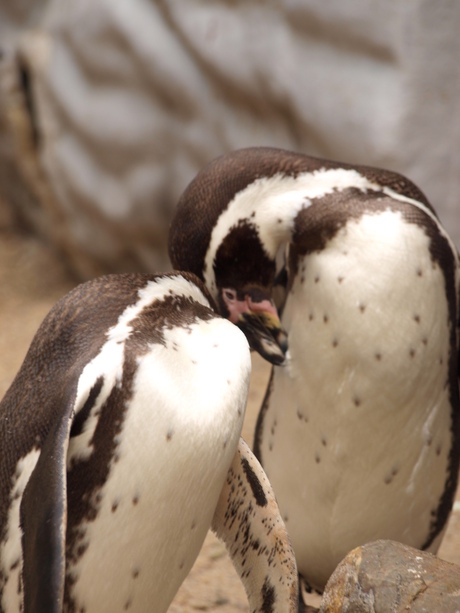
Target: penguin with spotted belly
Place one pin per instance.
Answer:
(359, 428)
(120, 447)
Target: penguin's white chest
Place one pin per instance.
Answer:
(357, 431)
(179, 435)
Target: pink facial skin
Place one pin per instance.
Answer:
(257, 317)
(237, 307)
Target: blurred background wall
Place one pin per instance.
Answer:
(108, 109)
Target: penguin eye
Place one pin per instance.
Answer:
(230, 294)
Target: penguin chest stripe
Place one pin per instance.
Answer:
(83, 414)
(81, 443)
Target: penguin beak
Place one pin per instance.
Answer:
(255, 314)
(265, 335)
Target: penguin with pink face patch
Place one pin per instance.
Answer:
(120, 448)
(359, 429)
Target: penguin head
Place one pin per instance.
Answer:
(251, 308)
(233, 262)
(241, 284)
(243, 276)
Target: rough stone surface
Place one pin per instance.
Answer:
(108, 109)
(389, 577)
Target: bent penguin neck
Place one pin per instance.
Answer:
(261, 188)
(268, 208)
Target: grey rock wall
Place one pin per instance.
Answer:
(108, 109)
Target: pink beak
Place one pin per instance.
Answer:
(238, 307)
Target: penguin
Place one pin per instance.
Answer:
(120, 436)
(359, 428)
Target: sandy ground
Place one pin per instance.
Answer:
(31, 280)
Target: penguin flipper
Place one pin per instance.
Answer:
(248, 521)
(43, 516)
